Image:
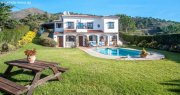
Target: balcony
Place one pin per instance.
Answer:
(88, 25)
(70, 27)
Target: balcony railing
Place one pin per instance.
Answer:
(70, 27)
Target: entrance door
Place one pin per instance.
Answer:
(60, 41)
(80, 40)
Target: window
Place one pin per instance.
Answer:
(58, 25)
(70, 25)
(110, 25)
(81, 26)
(90, 25)
(98, 25)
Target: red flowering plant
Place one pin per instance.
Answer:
(30, 52)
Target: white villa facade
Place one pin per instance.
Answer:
(86, 30)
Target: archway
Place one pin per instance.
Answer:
(93, 40)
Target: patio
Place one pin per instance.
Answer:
(92, 40)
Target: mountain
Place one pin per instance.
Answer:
(24, 12)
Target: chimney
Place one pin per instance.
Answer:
(66, 13)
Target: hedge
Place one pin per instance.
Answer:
(161, 39)
(170, 42)
(12, 36)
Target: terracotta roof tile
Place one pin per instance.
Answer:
(58, 33)
(95, 31)
(69, 31)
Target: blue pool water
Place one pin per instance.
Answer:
(119, 52)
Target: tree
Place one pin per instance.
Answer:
(4, 14)
(126, 23)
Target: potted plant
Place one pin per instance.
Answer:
(143, 53)
(31, 55)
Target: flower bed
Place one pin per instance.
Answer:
(27, 38)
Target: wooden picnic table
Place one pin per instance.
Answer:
(37, 68)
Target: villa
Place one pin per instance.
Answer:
(84, 30)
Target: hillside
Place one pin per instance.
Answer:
(152, 25)
(23, 13)
(143, 25)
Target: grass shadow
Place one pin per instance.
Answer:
(174, 84)
(21, 71)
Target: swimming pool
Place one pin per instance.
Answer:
(123, 52)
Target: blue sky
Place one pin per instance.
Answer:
(164, 9)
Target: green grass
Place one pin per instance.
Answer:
(95, 76)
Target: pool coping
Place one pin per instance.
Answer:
(91, 51)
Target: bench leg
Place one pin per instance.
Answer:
(55, 71)
(8, 70)
(31, 89)
(33, 84)
(36, 77)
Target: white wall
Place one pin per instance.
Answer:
(95, 21)
(103, 22)
(106, 30)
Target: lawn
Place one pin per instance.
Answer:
(95, 76)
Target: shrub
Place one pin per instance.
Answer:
(11, 47)
(142, 43)
(159, 46)
(45, 41)
(5, 47)
(12, 36)
(165, 47)
(28, 38)
(178, 48)
(153, 44)
(168, 42)
(161, 39)
(175, 48)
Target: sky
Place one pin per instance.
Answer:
(164, 9)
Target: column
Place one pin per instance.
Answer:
(64, 41)
(87, 39)
(97, 40)
(77, 41)
(108, 38)
(117, 39)
(84, 37)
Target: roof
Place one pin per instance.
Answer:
(49, 25)
(90, 16)
(69, 31)
(94, 31)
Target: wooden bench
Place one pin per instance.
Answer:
(37, 68)
(11, 87)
